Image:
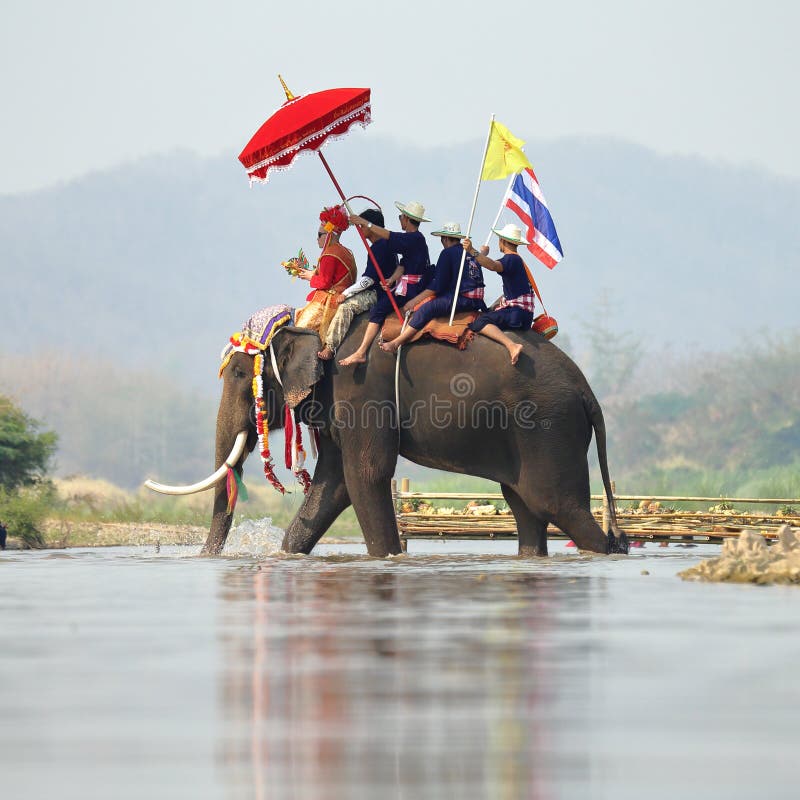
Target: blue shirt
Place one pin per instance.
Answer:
(515, 279)
(445, 276)
(386, 259)
(413, 251)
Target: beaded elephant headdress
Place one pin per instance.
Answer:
(255, 338)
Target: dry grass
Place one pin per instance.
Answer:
(93, 493)
(94, 512)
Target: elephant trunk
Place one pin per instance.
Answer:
(220, 523)
(221, 520)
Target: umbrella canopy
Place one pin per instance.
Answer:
(304, 122)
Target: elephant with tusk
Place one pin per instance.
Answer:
(527, 427)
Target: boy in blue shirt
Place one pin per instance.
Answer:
(411, 277)
(515, 310)
(437, 299)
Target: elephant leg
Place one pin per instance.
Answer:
(582, 528)
(369, 482)
(531, 531)
(326, 499)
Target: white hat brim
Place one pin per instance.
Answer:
(449, 234)
(509, 239)
(402, 208)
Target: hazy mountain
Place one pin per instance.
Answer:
(158, 261)
(149, 268)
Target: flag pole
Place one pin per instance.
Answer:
(502, 206)
(471, 217)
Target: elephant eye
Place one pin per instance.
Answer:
(239, 373)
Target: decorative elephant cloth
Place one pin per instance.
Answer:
(254, 339)
(256, 333)
(439, 328)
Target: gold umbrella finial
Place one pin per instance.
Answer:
(289, 95)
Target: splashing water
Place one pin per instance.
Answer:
(254, 537)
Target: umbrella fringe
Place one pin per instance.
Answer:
(360, 116)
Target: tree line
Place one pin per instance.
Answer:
(702, 424)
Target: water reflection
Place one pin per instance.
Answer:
(365, 679)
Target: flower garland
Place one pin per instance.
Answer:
(256, 336)
(262, 427)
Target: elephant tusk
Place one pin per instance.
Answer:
(211, 480)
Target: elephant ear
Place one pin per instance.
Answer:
(298, 364)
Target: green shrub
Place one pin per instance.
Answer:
(23, 512)
(25, 451)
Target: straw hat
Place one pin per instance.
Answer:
(413, 209)
(451, 230)
(511, 233)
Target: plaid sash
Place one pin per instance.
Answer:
(524, 301)
(406, 281)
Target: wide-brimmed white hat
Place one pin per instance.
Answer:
(511, 233)
(450, 229)
(413, 209)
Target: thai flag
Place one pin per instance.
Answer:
(525, 199)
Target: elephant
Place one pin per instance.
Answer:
(527, 427)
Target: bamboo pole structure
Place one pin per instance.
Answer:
(645, 524)
(776, 501)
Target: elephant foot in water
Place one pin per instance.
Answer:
(617, 544)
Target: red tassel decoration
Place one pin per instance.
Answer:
(288, 432)
(299, 443)
(305, 480)
(232, 488)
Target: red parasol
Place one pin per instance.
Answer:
(303, 123)
(306, 122)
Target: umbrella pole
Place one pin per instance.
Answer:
(363, 238)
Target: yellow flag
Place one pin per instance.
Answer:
(504, 156)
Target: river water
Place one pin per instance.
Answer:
(455, 671)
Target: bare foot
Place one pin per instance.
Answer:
(326, 354)
(389, 347)
(515, 350)
(356, 358)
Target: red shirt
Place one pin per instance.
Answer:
(336, 270)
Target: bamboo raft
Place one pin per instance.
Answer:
(647, 523)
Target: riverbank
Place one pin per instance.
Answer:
(60, 534)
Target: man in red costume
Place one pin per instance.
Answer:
(335, 271)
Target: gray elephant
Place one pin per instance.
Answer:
(527, 427)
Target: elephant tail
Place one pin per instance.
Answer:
(595, 414)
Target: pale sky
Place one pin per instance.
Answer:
(89, 84)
